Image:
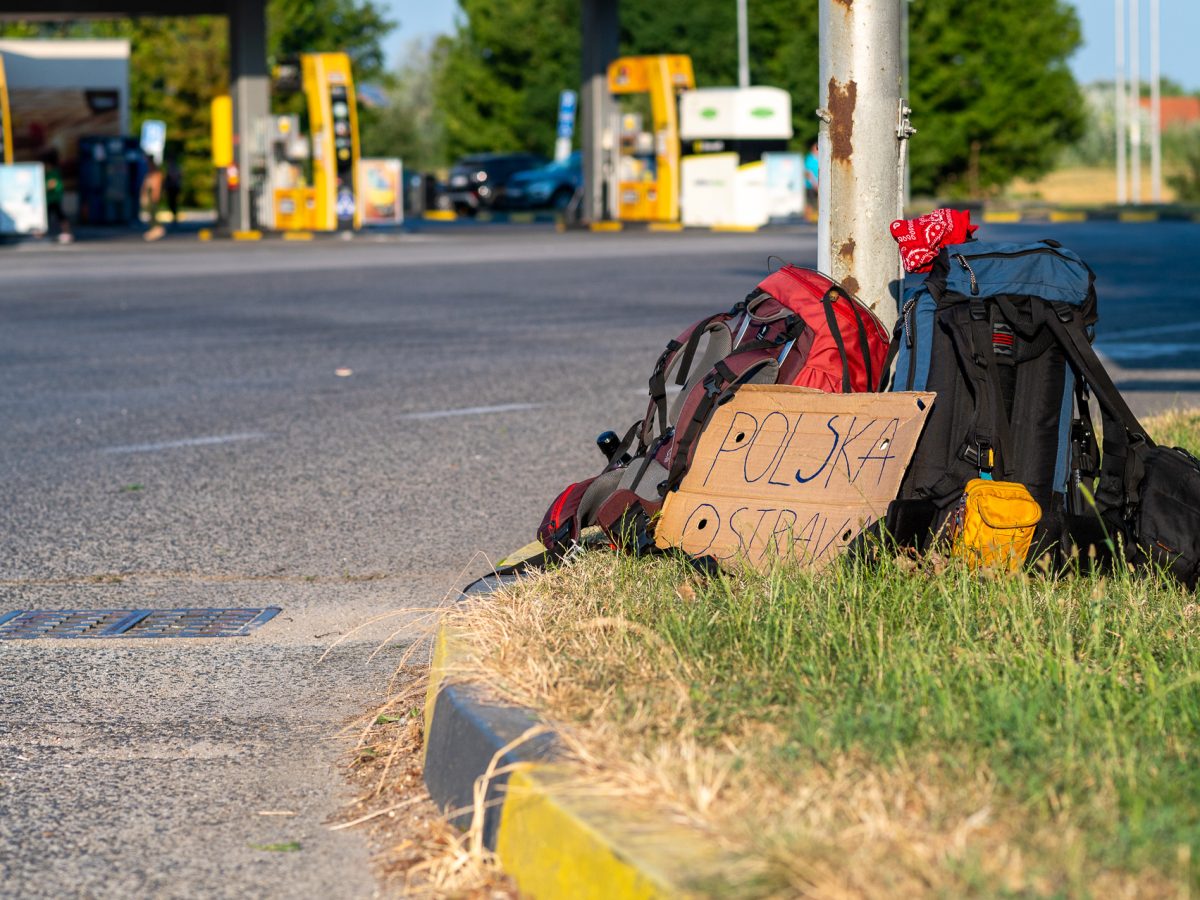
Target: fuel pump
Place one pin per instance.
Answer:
(333, 126)
(647, 164)
(299, 181)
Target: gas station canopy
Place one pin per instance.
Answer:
(249, 81)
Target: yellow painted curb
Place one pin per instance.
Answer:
(297, 235)
(437, 675)
(484, 217)
(607, 226)
(204, 234)
(247, 235)
(666, 226)
(735, 229)
(520, 218)
(557, 840)
(999, 218)
(440, 215)
(1064, 216)
(1136, 216)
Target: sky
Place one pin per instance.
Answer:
(1093, 61)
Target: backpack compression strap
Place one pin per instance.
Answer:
(989, 431)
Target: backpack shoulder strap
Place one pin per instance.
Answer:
(1121, 466)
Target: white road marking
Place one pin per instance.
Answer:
(470, 411)
(187, 442)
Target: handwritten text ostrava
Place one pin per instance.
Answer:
(792, 472)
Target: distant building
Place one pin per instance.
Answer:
(1176, 111)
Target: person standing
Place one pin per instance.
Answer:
(173, 185)
(812, 169)
(151, 195)
(54, 198)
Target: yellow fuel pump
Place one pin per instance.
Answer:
(647, 164)
(333, 126)
(300, 182)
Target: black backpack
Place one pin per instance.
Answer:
(1147, 497)
(1002, 333)
(1007, 407)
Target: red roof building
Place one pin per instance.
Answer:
(1177, 110)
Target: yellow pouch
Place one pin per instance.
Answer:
(992, 527)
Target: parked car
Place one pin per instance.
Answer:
(551, 185)
(478, 182)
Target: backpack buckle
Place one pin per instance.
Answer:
(712, 386)
(979, 454)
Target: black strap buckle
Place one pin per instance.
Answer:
(979, 454)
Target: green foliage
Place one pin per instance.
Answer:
(1069, 708)
(783, 44)
(499, 78)
(991, 89)
(1182, 147)
(354, 27)
(408, 127)
(992, 94)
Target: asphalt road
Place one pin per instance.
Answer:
(176, 433)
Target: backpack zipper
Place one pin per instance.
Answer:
(962, 261)
(906, 317)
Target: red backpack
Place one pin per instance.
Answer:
(797, 327)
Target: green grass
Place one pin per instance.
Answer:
(885, 729)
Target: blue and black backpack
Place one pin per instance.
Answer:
(1011, 404)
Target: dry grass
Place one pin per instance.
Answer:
(417, 853)
(897, 730)
(1079, 186)
(846, 821)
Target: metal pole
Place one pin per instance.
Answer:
(1135, 104)
(860, 185)
(251, 90)
(1155, 106)
(1119, 107)
(905, 92)
(743, 45)
(600, 34)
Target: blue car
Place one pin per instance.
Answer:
(552, 185)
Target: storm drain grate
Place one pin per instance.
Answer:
(28, 624)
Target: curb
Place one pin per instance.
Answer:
(1111, 214)
(552, 841)
(613, 225)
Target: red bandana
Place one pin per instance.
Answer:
(921, 238)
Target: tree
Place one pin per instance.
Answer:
(354, 27)
(992, 96)
(499, 77)
(408, 127)
(782, 38)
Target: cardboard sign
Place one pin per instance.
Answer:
(790, 471)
